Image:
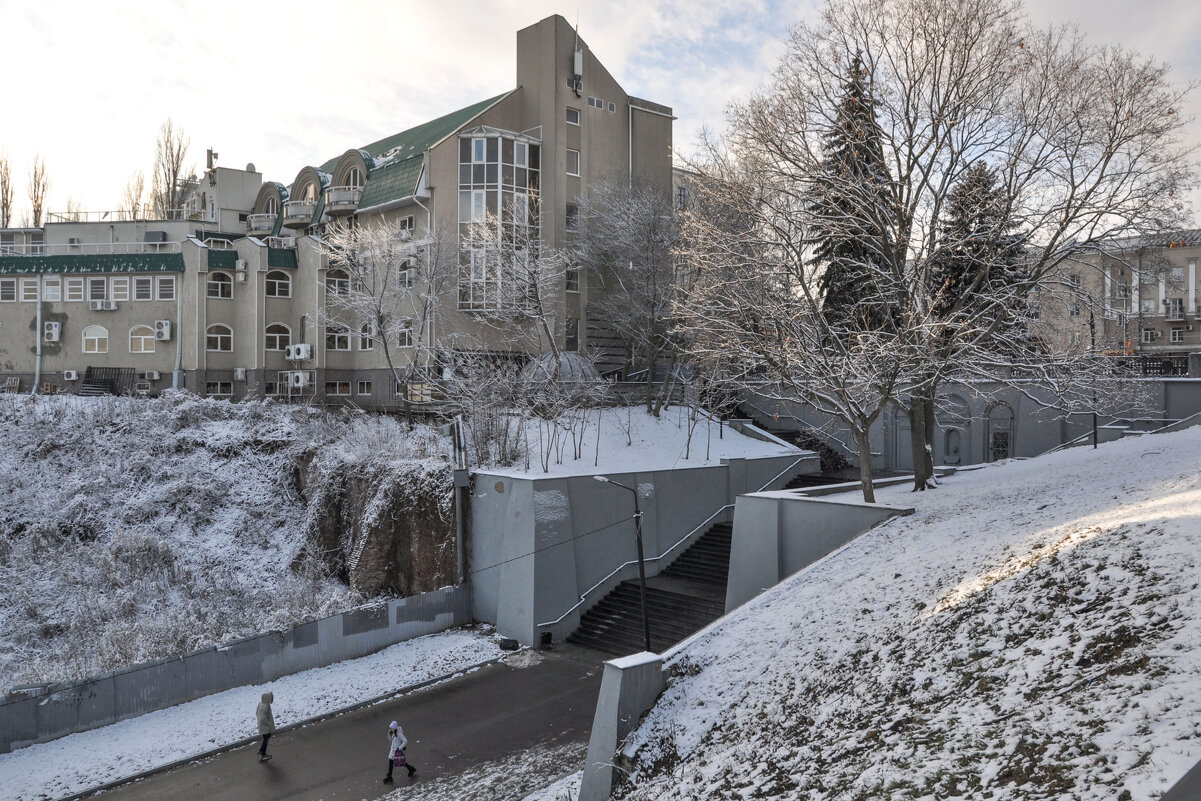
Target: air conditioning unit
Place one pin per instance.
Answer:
(110, 305)
(241, 277)
(162, 329)
(239, 374)
(240, 265)
(298, 379)
(151, 375)
(51, 331)
(302, 350)
(70, 375)
(96, 305)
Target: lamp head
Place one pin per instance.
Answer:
(602, 479)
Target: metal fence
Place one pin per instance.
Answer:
(45, 713)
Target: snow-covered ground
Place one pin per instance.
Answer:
(1033, 631)
(77, 762)
(630, 439)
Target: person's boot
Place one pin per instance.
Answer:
(412, 770)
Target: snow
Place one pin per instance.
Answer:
(77, 762)
(1032, 631)
(632, 440)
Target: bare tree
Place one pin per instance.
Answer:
(132, 202)
(6, 191)
(39, 186)
(395, 286)
(1086, 144)
(625, 237)
(168, 178)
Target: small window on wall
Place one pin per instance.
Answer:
(337, 282)
(337, 387)
(166, 287)
(405, 223)
(97, 288)
(277, 337)
(1074, 338)
(278, 285)
(573, 116)
(52, 289)
(366, 340)
(220, 285)
(120, 289)
(337, 337)
(363, 388)
(141, 339)
(75, 290)
(573, 162)
(95, 339)
(404, 337)
(1148, 335)
(218, 388)
(8, 290)
(219, 338)
(572, 278)
(572, 340)
(571, 217)
(29, 289)
(1177, 335)
(143, 289)
(271, 388)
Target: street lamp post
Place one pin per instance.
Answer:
(646, 626)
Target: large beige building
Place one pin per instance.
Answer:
(229, 299)
(1136, 299)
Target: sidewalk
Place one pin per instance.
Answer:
(488, 717)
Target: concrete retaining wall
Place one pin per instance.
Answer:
(537, 544)
(58, 710)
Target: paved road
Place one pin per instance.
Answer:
(1188, 788)
(486, 716)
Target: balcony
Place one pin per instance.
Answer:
(342, 200)
(299, 213)
(261, 224)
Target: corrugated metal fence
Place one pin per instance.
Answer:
(61, 709)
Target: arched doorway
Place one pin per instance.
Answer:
(999, 444)
(954, 417)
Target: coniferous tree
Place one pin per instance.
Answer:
(851, 212)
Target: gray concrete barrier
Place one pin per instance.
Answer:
(44, 713)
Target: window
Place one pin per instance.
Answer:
(477, 151)
(1147, 306)
(363, 388)
(1176, 308)
(219, 338)
(337, 387)
(271, 388)
(8, 290)
(52, 288)
(337, 337)
(354, 178)
(571, 217)
(95, 339)
(35, 243)
(1073, 310)
(29, 290)
(141, 339)
(366, 338)
(573, 162)
(277, 337)
(120, 289)
(571, 341)
(8, 244)
(1177, 273)
(681, 197)
(337, 282)
(406, 274)
(573, 116)
(1074, 338)
(404, 337)
(612, 107)
(166, 287)
(1177, 335)
(97, 288)
(75, 290)
(218, 388)
(405, 223)
(220, 285)
(1148, 335)
(1074, 280)
(572, 278)
(143, 289)
(279, 285)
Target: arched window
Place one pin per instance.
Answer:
(337, 337)
(309, 193)
(278, 336)
(279, 284)
(219, 338)
(366, 340)
(220, 285)
(337, 282)
(273, 205)
(95, 339)
(141, 339)
(354, 178)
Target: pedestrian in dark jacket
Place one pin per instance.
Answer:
(397, 742)
(266, 724)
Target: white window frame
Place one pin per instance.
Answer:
(219, 389)
(143, 288)
(568, 160)
(1074, 338)
(479, 150)
(76, 290)
(52, 288)
(219, 286)
(337, 385)
(274, 284)
(95, 339)
(571, 111)
(165, 287)
(8, 290)
(339, 335)
(404, 335)
(29, 290)
(363, 388)
(405, 223)
(273, 337)
(1073, 310)
(337, 285)
(119, 288)
(143, 340)
(366, 341)
(1177, 335)
(1147, 336)
(222, 338)
(97, 289)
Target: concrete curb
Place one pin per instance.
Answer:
(290, 727)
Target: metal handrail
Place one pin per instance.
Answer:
(826, 437)
(89, 248)
(681, 541)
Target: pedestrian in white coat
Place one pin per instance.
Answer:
(397, 742)
(266, 723)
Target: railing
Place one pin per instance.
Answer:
(88, 248)
(119, 215)
(299, 209)
(824, 436)
(604, 581)
(343, 195)
(261, 222)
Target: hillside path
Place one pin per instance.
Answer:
(492, 715)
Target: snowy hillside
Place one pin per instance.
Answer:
(1033, 631)
(135, 529)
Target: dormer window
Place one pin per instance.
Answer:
(309, 194)
(354, 178)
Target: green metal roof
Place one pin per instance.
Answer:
(223, 259)
(392, 181)
(282, 257)
(95, 263)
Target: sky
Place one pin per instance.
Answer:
(285, 85)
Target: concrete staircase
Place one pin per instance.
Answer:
(687, 596)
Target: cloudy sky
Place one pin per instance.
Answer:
(286, 84)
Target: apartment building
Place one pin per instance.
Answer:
(230, 299)
(1136, 299)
